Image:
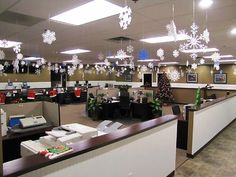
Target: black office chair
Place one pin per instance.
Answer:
(176, 109)
(124, 105)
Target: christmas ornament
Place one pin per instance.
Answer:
(171, 28)
(215, 57)
(19, 56)
(160, 52)
(2, 55)
(70, 71)
(100, 56)
(49, 36)
(17, 48)
(130, 49)
(125, 17)
(37, 71)
(194, 66)
(1, 68)
(175, 53)
(121, 54)
(4, 42)
(206, 35)
(150, 65)
(174, 75)
(202, 61)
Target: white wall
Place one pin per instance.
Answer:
(148, 154)
(31, 84)
(210, 121)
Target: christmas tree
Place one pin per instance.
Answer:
(165, 89)
(198, 98)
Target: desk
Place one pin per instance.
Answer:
(108, 110)
(141, 110)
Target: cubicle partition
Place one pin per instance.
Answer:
(208, 121)
(110, 92)
(111, 155)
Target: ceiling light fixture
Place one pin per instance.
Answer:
(75, 51)
(233, 31)
(200, 50)
(119, 56)
(221, 56)
(94, 10)
(204, 4)
(226, 61)
(169, 63)
(8, 44)
(32, 58)
(162, 39)
(148, 60)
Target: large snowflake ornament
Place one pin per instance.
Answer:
(38, 71)
(206, 35)
(160, 52)
(194, 66)
(175, 53)
(71, 71)
(19, 56)
(125, 17)
(1, 68)
(101, 56)
(49, 36)
(150, 65)
(17, 48)
(2, 55)
(144, 68)
(174, 75)
(81, 66)
(4, 42)
(194, 41)
(215, 57)
(171, 28)
(202, 61)
(121, 54)
(130, 49)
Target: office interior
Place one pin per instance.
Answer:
(105, 87)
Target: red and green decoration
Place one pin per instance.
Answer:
(198, 98)
(165, 95)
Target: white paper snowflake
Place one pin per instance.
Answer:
(17, 48)
(160, 52)
(206, 35)
(202, 61)
(194, 41)
(194, 66)
(81, 66)
(125, 17)
(4, 43)
(215, 57)
(101, 56)
(2, 55)
(171, 28)
(174, 75)
(150, 65)
(107, 63)
(121, 54)
(49, 36)
(19, 56)
(38, 71)
(1, 68)
(175, 53)
(118, 74)
(130, 49)
(144, 68)
(22, 63)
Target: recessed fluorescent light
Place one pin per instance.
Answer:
(233, 31)
(118, 56)
(226, 61)
(75, 51)
(204, 4)
(68, 61)
(8, 44)
(88, 12)
(200, 50)
(100, 63)
(221, 56)
(161, 39)
(148, 60)
(32, 58)
(169, 63)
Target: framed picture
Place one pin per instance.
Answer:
(128, 78)
(191, 77)
(220, 78)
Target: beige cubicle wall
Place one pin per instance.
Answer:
(49, 110)
(111, 92)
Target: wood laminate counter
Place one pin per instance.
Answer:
(26, 164)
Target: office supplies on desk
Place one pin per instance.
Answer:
(32, 121)
(14, 120)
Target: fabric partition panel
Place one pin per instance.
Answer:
(92, 90)
(112, 92)
(51, 112)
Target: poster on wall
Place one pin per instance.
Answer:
(191, 78)
(220, 78)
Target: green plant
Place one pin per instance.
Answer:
(94, 105)
(156, 106)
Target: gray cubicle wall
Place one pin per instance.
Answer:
(49, 110)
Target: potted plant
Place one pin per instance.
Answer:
(94, 108)
(156, 108)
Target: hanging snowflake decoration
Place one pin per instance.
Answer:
(1, 68)
(107, 63)
(215, 57)
(100, 56)
(174, 75)
(38, 71)
(150, 65)
(118, 74)
(160, 52)
(206, 35)
(194, 66)
(2, 55)
(188, 70)
(175, 53)
(49, 36)
(71, 71)
(19, 56)
(81, 66)
(194, 41)
(17, 48)
(130, 49)
(144, 68)
(75, 60)
(125, 17)
(171, 28)
(4, 43)
(202, 61)
(121, 54)
(15, 64)
(22, 63)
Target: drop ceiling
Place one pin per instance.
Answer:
(149, 19)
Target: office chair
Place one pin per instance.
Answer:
(77, 92)
(2, 98)
(124, 105)
(176, 109)
(31, 94)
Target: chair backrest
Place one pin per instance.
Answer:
(176, 109)
(77, 92)
(113, 127)
(2, 98)
(31, 94)
(103, 125)
(53, 93)
(124, 102)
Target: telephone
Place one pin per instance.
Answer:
(32, 121)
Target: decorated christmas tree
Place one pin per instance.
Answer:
(165, 95)
(198, 98)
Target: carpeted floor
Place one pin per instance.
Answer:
(216, 160)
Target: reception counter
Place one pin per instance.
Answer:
(209, 120)
(138, 150)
